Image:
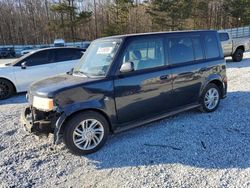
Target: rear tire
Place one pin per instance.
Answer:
(6, 89)
(210, 98)
(238, 55)
(86, 133)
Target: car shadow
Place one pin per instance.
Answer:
(217, 140)
(16, 99)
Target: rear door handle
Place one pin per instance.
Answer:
(164, 77)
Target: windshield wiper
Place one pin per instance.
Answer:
(81, 73)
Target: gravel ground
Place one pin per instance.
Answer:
(191, 149)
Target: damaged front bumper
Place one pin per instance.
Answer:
(34, 126)
(42, 123)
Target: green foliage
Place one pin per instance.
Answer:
(170, 14)
(63, 8)
(71, 17)
(119, 11)
(240, 10)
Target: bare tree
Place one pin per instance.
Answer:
(41, 21)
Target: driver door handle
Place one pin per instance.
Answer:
(164, 77)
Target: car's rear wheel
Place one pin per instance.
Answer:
(210, 98)
(238, 55)
(6, 89)
(86, 133)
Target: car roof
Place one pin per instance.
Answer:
(222, 32)
(156, 33)
(54, 48)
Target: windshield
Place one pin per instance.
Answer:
(98, 58)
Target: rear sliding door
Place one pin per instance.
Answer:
(186, 58)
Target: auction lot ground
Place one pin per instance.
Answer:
(191, 149)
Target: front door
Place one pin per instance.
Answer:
(147, 90)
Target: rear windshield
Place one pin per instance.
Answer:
(223, 37)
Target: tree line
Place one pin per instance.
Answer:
(42, 21)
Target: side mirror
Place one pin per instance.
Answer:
(127, 67)
(23, 65)
(70, 72)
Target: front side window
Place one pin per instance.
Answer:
(38, 58)
(98, 58)
(146, 53)
(211, 46)
(181, 50)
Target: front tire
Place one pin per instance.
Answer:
(210, 98)
(238, 55)
(86, 133)
(6, 89)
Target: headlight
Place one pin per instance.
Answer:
(43, 103)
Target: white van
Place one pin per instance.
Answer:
(59, 42)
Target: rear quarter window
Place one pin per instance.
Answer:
(211, 46)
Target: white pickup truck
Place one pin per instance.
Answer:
(233, 47)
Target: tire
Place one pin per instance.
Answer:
(77, 141)
(238, 55)
(6, 89)
(204, 98)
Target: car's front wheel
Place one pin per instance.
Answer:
(6, 89)
(210, 98)
(86, 133)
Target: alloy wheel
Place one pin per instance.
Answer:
(4, 90)
(88, 134)
(211, 98)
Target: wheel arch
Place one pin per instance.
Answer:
(217, 80)
(70, 116)
(219, 84)
(242, 47)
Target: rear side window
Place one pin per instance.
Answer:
(147, 53)
(181, 50)
(68, 54)
(223, 37)
(198, 52)
(211, 46)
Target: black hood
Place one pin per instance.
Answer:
(51, 86)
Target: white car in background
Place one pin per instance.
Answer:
(59, 43)
(17, 76)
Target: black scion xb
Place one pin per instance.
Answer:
(126, 81)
